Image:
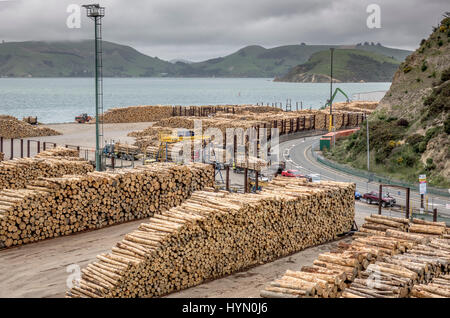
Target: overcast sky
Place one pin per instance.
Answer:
(201, 29)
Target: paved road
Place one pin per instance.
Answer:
(297, 154)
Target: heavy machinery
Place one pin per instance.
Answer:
(121, 151)
(328, 103)
(83, 118)
(165, 140)
(30, 120)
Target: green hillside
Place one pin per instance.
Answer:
(349, 65)
(76, 59)
(256, 61)
(409, 131)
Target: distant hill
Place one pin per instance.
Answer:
(257, 61)
(75, 59)
(349, 65)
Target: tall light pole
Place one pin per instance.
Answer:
(96, 13)
(331, 89)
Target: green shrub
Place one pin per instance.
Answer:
(431, 133)
(424, 66)
(422, 146)
(414, 141)
(440, 43)
(447, 125)
(445, 76)
(429, 161)
(390, 119)
(402, 122)
(407, 69)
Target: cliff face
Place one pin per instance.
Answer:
(414, 80)
(420, 93)
(409, 130)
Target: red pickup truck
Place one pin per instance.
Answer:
(373, 196)
(292, 174)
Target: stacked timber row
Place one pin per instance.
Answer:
(397, 275)
(52, 207)
(333, 271)
(11, 127)
(382, 261)
(134, 114)
(438, 288)
(213, 234)
(59, 152)
(15, 174)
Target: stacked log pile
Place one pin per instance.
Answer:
(134, 114)
(59, 152)
(11, 127)
(438, 288)
(356, 106)
(15, 174)
(51, 207)
(213, 234)
(396, 276)
(383, 260)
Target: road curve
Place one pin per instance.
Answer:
(297, 154)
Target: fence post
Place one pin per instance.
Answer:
(407, 202)
(227, 181)
(1, 144)
(38, 147)
(434, 215)
(21, 148)
(380, 199)
(12, 148)
(28, 148)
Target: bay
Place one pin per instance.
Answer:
(56, 100)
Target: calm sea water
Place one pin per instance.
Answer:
(61, 99)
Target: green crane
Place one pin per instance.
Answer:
(330, 102)
(334, 95)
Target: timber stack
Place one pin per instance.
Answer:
(438, 288)
(16, 173)
(11, 127)
(51, 207)
(58, 152)
(213, 234)
(383, 260)
(135, 114)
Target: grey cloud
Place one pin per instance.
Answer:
(201, 29)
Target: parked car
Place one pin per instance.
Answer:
(357, 195)
(292, 174)
(373, 196)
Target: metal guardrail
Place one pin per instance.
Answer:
(372, 177)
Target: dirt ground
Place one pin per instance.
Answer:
(40, 269)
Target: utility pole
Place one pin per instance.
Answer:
(368, 148)
(96, 13)
(331, 89)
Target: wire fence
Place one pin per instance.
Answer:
(372, 177)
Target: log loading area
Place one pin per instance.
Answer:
(179, 230)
